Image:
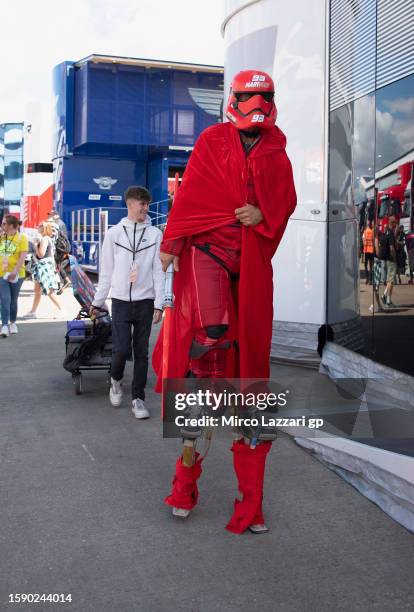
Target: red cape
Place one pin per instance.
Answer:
(214, 185)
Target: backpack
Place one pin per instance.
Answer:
(85, 351)
(62, 244)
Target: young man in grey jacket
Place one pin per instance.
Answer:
(131, 271)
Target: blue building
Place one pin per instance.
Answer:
(11, 167)
(123, 121)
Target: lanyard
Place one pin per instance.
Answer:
(8, 242)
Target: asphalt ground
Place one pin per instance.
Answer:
(82, 485)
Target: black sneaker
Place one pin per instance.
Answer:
(384, 300)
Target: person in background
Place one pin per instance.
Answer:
(13, 250)
(382, 249)
(54, 218)
(368, 241)
(44, 270)
(400, 252)
(409, 245)
(376, 275)
(61, 248)
(389, 255)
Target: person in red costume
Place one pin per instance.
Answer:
(227, 220)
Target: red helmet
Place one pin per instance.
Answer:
(251, 101)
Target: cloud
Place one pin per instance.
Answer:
(364, 127)
(394, 129)
(395, 137)
(404, 106)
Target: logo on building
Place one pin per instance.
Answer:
(105, 182)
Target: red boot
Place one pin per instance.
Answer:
(249, 465)
(184, 492)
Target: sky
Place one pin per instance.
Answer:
(35, 36)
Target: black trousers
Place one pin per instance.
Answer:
(61, 265)
(369, 261)
(131, 324)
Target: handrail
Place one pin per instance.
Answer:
(89, 226)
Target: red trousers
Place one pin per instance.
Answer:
(215, 258)
(215, 265)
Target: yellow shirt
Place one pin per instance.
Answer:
(10, 249)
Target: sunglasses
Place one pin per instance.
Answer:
(244, 96)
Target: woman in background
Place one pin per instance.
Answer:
(13, 251)
(44, 270)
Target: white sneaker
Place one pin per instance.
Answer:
(138, 409)
(13, 328)
(30, 315)
(258, 528)
(115, 392)
(375, 308)
(180, 513)
(4, 331)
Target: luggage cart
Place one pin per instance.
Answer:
(88, 346)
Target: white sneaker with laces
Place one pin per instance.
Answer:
(4, 331)
(115, 392)
(138, 409)
(13, 328)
